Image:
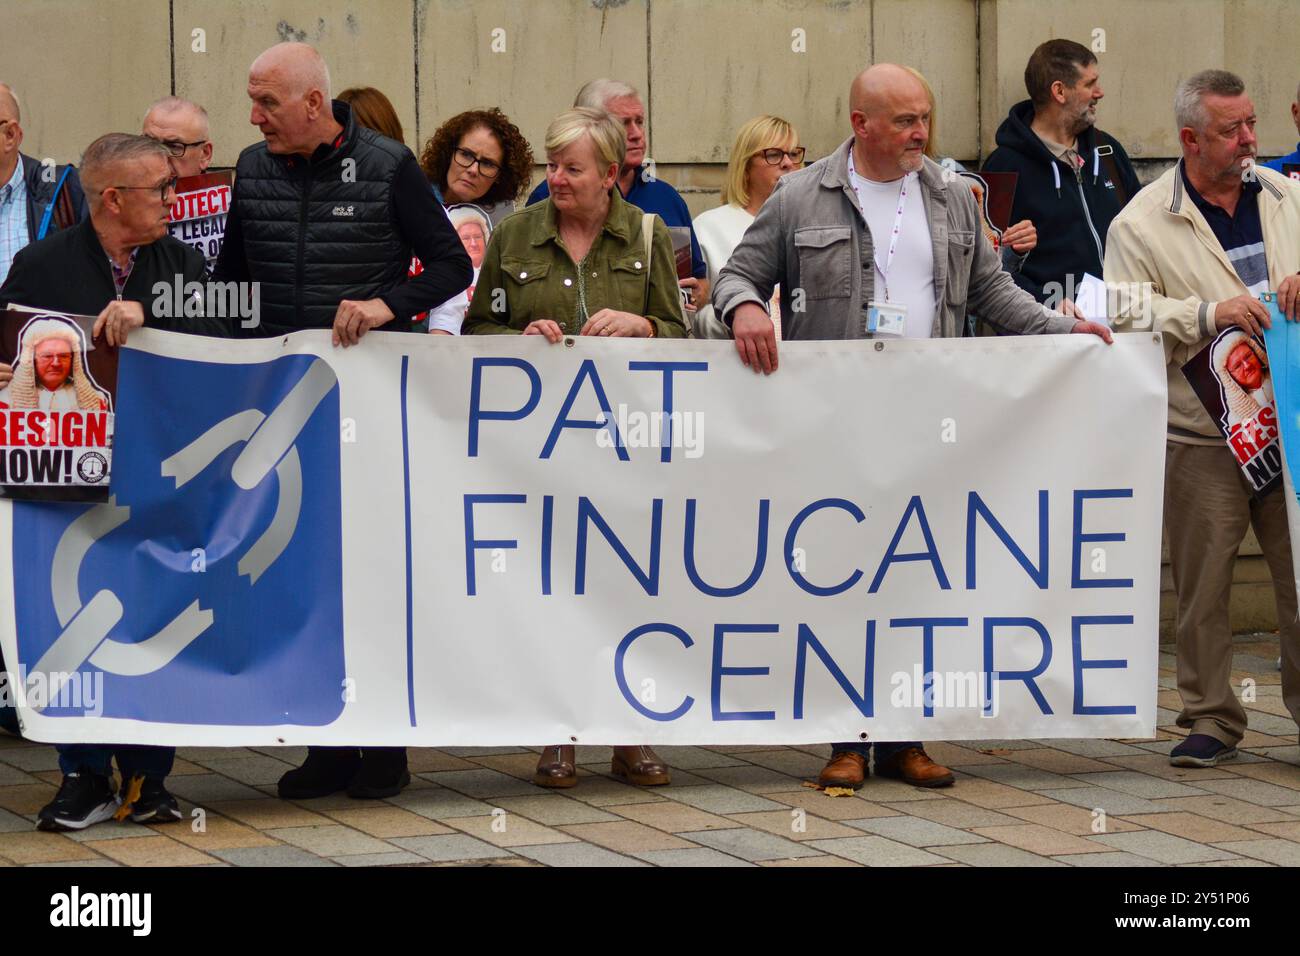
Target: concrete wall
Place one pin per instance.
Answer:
(85, 67)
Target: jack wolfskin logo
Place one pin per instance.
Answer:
(343, 210)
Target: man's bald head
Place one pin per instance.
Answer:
(879, 85)
(889, 109)
(9, 106)
(299, 66)
(289, 86)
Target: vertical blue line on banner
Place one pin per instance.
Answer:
(406, 480)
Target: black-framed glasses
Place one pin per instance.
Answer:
(176, 147)
(162, 188)
(488, 168)
(774, 156)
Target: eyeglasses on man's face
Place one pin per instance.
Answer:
(176, 147)
(487, 168)
(162, 189)
(774, 156)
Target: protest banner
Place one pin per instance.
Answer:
(1231, 378)
(1283, 340)
(198, 217)
(56, 415)
(489, 541)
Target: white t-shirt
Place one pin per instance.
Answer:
(911, 273)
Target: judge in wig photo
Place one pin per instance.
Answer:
(51, 373)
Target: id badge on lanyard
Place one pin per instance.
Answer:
(889, 318)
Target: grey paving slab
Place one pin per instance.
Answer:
(876, 851)
(752, 779)
(485, 751)
(750, 844)
(438, 803)
(915, 832)
(110, 830)
(205, 788)
(995, 854)
(578, 854)
(1097, 749)
(330, 840)
(693, 856)
(1240, 861)
(1118, 858)
(13, 823)
(795, 763)
(1281, 852)
(451, 846)
(554, 810)
(1021, 777)
(1164, 847)
(998, 744)
(715, 798)
(955, 813)
(482, 783)
(1253, 791)
(1138, 784)
(31, 759)
(12, 776)
(78, 863)
(254, 769)
(696, 758)
(396, 858)
(194, 754)
(271, 856)
(1112, 801)
(1272, 724)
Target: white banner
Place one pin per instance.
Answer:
(491, 541)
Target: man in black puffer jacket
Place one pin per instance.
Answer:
(1073, 178)
(325, 215)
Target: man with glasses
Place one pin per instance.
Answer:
(182, 127)
(637, 182)
(35, 198)
(107, 267)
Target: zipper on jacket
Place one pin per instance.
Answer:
(1101, 256)
(298, 279)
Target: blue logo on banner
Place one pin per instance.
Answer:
(209, 589)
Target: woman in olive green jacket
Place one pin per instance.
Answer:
(579, 263)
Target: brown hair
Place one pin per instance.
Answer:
(1055, 60)
(373, 110)
(516, 161)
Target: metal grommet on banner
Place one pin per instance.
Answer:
(862, 736)
(573, 739)
(1156, 338)
(568, 343)
(880, 346)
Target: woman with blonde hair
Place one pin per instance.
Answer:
(583, 261)
(766, 148)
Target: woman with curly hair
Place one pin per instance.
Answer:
(479, 157)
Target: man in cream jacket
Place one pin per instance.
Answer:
(1188, 258)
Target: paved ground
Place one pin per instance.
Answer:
(1016, 803)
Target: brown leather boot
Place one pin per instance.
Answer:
(914, 766)
(556, 768)
(846, 769)
(640, 765)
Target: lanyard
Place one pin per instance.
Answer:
(893, 239)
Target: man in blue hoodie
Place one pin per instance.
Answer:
(1073, 178)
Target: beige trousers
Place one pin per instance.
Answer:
(1208, 506)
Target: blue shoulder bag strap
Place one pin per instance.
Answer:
(49, 210)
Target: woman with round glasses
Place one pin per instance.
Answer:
(766, 148)
(479, 157)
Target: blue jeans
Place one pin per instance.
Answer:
(884, 751)
(131, 759)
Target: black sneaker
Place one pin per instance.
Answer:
(1201, 750)
(326, 770)
(383, 774)
(83, 800)
(155, 804)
